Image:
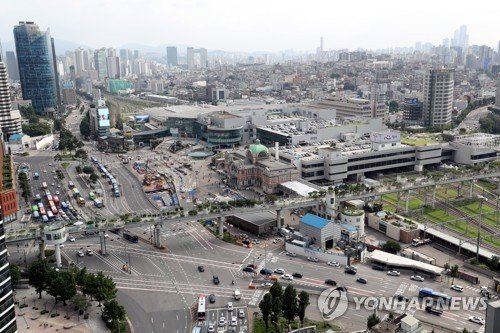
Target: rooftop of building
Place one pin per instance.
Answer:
(396, 220)
(419, 139)
(314, 221)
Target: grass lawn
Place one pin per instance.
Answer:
(487, 185)
(489, 214)
(448, 193)
(65, 165)
(259, 327)
(414, 203)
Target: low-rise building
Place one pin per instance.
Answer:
(393, 226)
(8, 194)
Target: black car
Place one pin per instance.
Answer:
(350, 271)
(362, 280)
(330, 282)
(341, 289)
(211, 298)
(266, 271)
(401, 298)
(248, 269)
(201, 269)
(433, 310)
(378, 268)
(297, 275)
(215, 279)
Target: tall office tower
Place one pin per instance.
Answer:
(319, 50)
(36, 66)
(123, 55)
(190, 57)
(87, 60)
(79, 62)
(72, 73)
(113, 64)
(56, 73)
(111, 52)
(136, 54)
(446, 42)
(485, 57)
(438, 96)
(10, 122)
(100, 60)
(8, 212)
(11, 61)
(196, 58)
(172, 56)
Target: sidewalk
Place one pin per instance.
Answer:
(30, 320)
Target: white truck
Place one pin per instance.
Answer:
(420, 241)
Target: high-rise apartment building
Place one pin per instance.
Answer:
(113, 65)
(35, 60)
(79, 62)
(11, 62)
(497, 95)
(492, 324)
(438, 88)
(101, 64)
(10, 122)
(172, 56)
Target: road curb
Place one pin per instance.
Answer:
(130, 327)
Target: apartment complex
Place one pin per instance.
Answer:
(10, 120)
(354, 107)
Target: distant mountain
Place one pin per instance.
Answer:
(61, 46)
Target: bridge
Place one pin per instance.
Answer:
(278, 206)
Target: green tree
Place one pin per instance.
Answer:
(265, 306)
(106, 288)
(85, 125)
(80, 276)
(89, 286)
(15, 274)
(88, 169)
(61, 285)
(93, 177)
(372, 321)
(38, 273)
(391, 246)
(81, 154)
(58, 124)
(454, 273)
(393, 106)
(113, 312)
(36, 129)
(302, 305)
(81, 302)
(290, 306)
(277, 304)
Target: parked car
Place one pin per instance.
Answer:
(222, 322)
(230, 306)
(279, 271)
(333, 264)
(330, 282)
(291, 254)
(361, 280)
(477, 320)
(417, 278)
(241, 313)
(313, 259)
(378, 268)
(266, 271)
(71, 239)
(393, 273)
(297, 275)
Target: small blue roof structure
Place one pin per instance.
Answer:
(314, 221)
(15, 137)
(348, 227)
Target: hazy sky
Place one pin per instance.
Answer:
(255, 25)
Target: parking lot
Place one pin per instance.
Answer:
(223, 320)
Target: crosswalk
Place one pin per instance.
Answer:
(255, 297)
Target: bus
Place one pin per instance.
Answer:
(131, 238)
(428, 292)
(50, 215)
(45, 219)
(51, 203)
(54, 210)
(91, 195)
(34, 208)
(71, 185)
(201, 308)
(44, 185)
(36, 215)
(76, 193)
(49, 198)
(42, 210)
(56, 200)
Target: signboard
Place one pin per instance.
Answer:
(385, 137)
(141, 119)
(174, 131)
(103, 117)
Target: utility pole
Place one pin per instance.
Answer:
(129, 264)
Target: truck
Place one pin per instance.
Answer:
(420, 241)
(284, 232)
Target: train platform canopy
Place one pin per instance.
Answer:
(397, 261)
(301, 188)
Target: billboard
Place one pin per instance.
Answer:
(385, 137)
(174, 131)
(141, 119)
(103, 117)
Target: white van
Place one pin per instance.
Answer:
(237, 295)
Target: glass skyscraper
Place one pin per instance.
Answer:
(36, 66)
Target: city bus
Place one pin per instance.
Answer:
(201, 308)
(56, 200)
(53, 209)
(428, 292)
(51, 203)
(131, 238)
(49, 197)
(44, 185)
(50, 215)
(76, 193)
(45, 219)
(42, 210)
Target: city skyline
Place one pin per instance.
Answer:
(222, 25)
